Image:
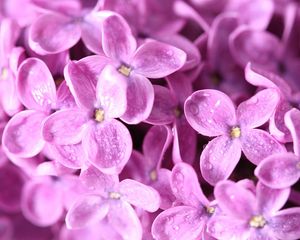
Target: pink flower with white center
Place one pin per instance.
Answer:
(110, 201)
(212, 113)
(101, 98)
(283, 170)
(135, 65)
(249, 216)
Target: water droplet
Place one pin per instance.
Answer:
(208, 166)
(218, 103)
(193, 107)
(176, 227)
(206, 94)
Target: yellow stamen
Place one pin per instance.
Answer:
(4, 73)
(99, 115)
(124, 70)
(257, 221)
(114, 195)
(177, 112)
(153, 175)
(235, 132)
(210, 209)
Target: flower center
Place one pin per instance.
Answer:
(153, 175)
(4, 73)
(125, 70)
(235, 132)
(114, 195)
(257, 221)
(99, 115)
(210, 209)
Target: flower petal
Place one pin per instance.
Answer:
(82, 77)
(234, 200)
(111, 92)
(65, 126)
(270, 200)
(139, 195)
(86, 211)
(258, 109)
(285, 224)
(108, 146)
(186, 187)
(279, 170)
(258, 144)
(117, 39)
(156, 60)
(226, 227)
(39, 193)
(36, 86)
(22, 136)
(163, 110)
(219, 158)
(140, 98)
(181, 223)
(292, 121)
(53, 33)
(210, 112)
(124, 220)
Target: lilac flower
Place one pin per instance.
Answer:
(106, 142)
(212, 113)
(283, 170)
(249, 216)
(151, 60)
(62, 25)
(111, 201)
(186, 221)
(22, 136)
(168, 108)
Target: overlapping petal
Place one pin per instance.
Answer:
(292, 121)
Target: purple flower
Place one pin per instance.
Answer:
(246, 215)
(212, 113)
(150, 60)
(283, 170)
(106, 142)
(110, 200)
(188, 219)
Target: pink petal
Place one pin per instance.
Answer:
(65, 126)
(12, 182)
(185, 141)
(108, 146)
(35, 85)
(70, 156)
(117, 39)
(82, 77)
(53, 33)
(259, 47)
(140, 98)
(219, 158)
(258, 144)
(292, 121)
(88, 210)
(95, 180)
(270, 200)
(210, 112)
(258, 109)
(65, 98)
(285, 224)
(279, 170)
(163, 111)
(225, 227)
(22, 135)
(156, 60)
(186, 187)
(156, 142)
(37, 194)
(139, 195)
(111, 92)
(182, 222)
(234, 200)
(124, 220)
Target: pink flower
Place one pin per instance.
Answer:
(212, 113)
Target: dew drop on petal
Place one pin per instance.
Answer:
(193, 107)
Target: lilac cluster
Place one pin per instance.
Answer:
(106, 107)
